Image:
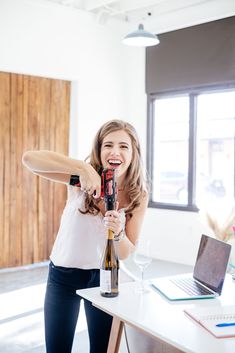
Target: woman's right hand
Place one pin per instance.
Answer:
(90, 180)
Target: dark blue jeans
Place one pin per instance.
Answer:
(62, 306)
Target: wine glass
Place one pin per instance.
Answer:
(142, 259)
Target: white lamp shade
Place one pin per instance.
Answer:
(141, 38)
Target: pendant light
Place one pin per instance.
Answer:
(141, 38)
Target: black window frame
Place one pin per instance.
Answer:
(193, 94)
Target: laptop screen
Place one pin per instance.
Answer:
(211, 263)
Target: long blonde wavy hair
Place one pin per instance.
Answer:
(135, 184)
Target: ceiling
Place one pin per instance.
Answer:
(157, 15)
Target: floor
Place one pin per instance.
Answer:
(21, 312)
(21, 306)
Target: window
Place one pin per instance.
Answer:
(191, 148)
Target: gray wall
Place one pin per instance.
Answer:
(196, 56)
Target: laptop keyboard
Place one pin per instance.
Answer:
(190, 286)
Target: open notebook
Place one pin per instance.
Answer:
(218, 320)
(208, 276)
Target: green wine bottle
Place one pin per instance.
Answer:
(109, 269)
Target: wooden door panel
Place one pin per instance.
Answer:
(34, 114)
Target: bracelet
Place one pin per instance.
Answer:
(74, 180)
(121, 235)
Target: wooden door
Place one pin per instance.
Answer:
(34, 114)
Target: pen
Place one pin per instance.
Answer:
(224, 324)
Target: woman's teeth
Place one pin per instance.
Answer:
(114, 162)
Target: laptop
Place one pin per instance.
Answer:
(208, 275)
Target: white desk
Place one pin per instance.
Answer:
(162, 319)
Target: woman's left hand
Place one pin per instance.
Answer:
(112, 220)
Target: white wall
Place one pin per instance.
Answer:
(175, 234)
(45, 39)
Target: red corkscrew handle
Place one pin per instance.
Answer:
(110, 189)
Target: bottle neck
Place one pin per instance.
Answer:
(110, 235)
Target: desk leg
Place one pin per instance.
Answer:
(115, 336)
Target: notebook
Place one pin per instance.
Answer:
(208, 275)
(212, 316)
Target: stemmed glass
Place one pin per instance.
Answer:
(142, 259)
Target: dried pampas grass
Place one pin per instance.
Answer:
(224, 231)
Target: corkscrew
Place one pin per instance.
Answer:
(108, 178)
(108, 186)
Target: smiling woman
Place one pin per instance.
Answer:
(76, 254)
(116, 152)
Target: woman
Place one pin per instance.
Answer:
(75, 257)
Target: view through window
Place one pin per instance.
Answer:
(192, 158)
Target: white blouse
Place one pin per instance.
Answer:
(81, 237)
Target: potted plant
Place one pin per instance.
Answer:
(224, 229)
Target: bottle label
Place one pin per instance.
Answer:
(105, 281)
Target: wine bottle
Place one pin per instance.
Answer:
(109, 271)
